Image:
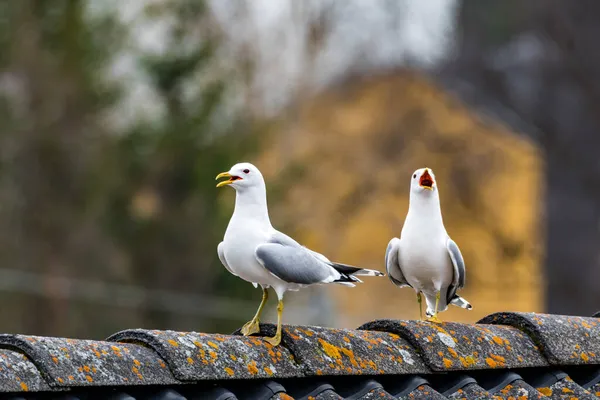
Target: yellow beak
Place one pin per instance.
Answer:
(224, 175)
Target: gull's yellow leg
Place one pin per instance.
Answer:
(275, 340)
(420, 306)
(434, 317)
(252, 326)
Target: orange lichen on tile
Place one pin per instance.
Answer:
(498, 340)
(567, 390)
(307, 332)
(189, 360)
(447, 363)
(252, 368)
(546, 391)
(213, 344)
(55, 360)
(173, 343)
(293, 336)
(89, 378)
(497, 358)
(467, 361)
(137, 372)
(229, 371)
(452, 352)
(350, 354)
(24, 386)
(329, 349)
(268, 370)
(491, 362)
(584, 357)
(586, 325)
(117, 351)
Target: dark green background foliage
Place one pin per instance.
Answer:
(83, 198)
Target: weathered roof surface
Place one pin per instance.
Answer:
(563, 339)
(504, 356)
(453, 346)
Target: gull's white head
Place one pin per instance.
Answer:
(242, 176)
(423, 181)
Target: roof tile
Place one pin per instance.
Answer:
(518, 389)
(425, 392)
(19, 374)
(196, 356)
(326, 351)
(470, 391)
(564, 340)
(75, 362)
(452, 346)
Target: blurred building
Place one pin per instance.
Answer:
(338, 171)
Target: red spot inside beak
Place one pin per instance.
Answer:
(426, 180)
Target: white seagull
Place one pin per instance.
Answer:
(256, 252)
(425, 258)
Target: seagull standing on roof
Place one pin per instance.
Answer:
(425, 258)
(256, 252)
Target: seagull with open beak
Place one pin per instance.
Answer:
(425, 258)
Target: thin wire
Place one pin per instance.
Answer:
(123, 295)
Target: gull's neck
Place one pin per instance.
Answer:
(252, 203)
(424, 211)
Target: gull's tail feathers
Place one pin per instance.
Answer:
(352, 271)
(461, 302)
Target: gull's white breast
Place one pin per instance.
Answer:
(424, 259)
(239, 247)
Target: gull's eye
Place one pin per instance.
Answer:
(414, 176)
(246, 171)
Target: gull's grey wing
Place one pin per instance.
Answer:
(348, 273)
(392, 263)
(289, 261)
(282, 238)
(458, 264)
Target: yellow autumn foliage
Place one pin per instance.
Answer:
(341, 171)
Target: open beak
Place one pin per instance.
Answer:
(426, 181)
(232, 178)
